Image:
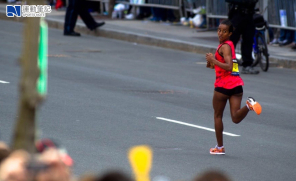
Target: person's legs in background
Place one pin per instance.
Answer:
(86, 16)
(129, 14)
(162, 13)
(236, 34)
(287, 38)
(156, 13)
(248, 32)
(145, 12)
(203, 24)
(271, 35)
(282, 35)
(274, 34)
(71, 18)
(294, 46)
(170, 15)
(236, 20)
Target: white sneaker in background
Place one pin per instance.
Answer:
(129, 16)
(274, 41)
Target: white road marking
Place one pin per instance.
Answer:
(4, 82)
(195, 126)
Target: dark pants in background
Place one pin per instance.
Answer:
(287, 35)
(75, 8)
(162, 14)
(244, 25)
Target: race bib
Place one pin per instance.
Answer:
(235, 70)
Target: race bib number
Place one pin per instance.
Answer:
(235, 70)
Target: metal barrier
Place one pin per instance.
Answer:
(190, 5)
(274, 18)
(167, 4)
(269, 8)
(218, 9)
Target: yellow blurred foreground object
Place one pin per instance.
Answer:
(140, 158)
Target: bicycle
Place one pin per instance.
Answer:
(260, 51)
(260, 47)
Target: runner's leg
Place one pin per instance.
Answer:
(219, 102)
(237, 113)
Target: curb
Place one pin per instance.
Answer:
(150, 40)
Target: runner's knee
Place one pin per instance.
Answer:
(235, 119)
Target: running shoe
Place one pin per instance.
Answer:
(249, 70)
(254, 106)
(217, 151)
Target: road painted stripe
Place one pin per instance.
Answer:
(4, 82)
(195, 126)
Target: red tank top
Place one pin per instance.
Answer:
(227, 79)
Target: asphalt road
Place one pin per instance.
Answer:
(105, 96)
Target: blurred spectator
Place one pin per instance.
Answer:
(48, 165)
(204, 20)
(52, 164)
(271, 35)
(51, 2)
(161, 14)
(108, 176)
(129, 14)
(45, 143)
(13, 168)
(60, 4)
(4, 151)
(212, 175)
(156, 14)
(52, 167)
(145, 12)
(75, 8)
(294, 46)
(115, 176)
(241, 16)
(201, 14)
(286, 37)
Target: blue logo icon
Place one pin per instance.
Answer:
(12, 11)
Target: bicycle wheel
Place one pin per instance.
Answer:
(257, 57)
(256, 51)
(262, 49)
(238, 53)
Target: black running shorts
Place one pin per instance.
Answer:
(230, 92)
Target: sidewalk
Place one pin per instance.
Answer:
(159, 34)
